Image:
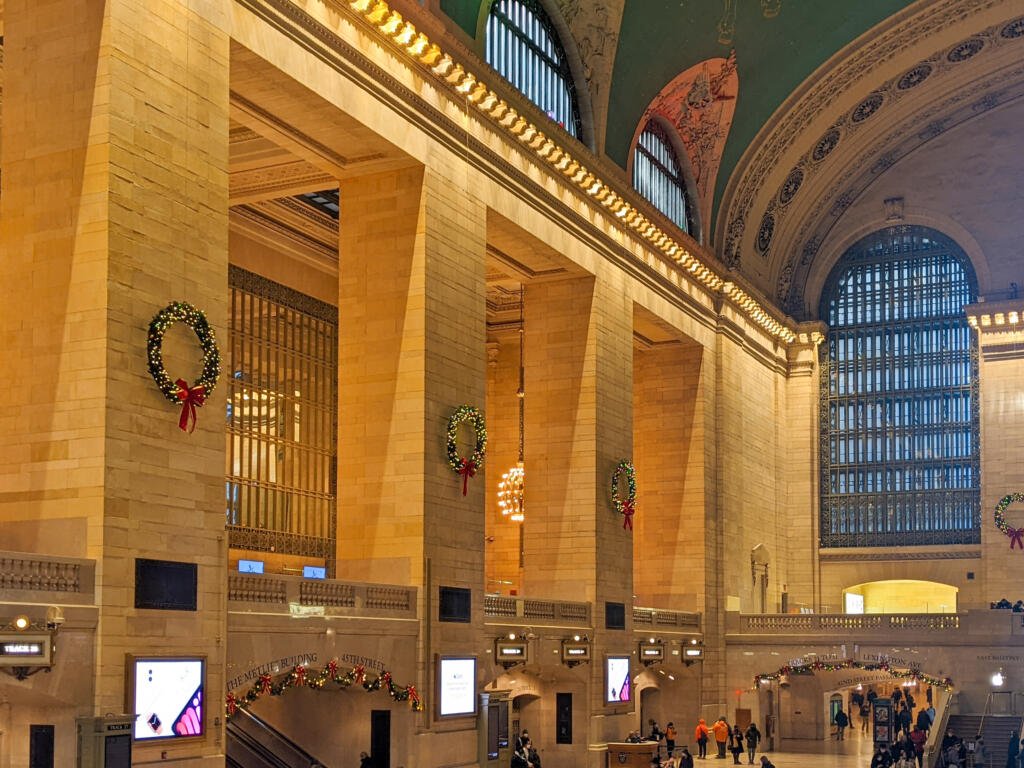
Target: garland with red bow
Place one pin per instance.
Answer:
(627, 506)
(303, 676)
(178, 391)
(788, 670)
(466, 466)
(1016, 534)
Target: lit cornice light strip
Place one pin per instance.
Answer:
(417, 45)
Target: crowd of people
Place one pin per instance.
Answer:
(1006, 605)
(732, 739)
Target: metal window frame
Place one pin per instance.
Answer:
(898, 364)
(679, 210)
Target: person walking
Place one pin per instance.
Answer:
(1013, 751)
(841, 720)
(670, 738)
(753, 737)
(721, 730)
(700, 735)
(736, 744)
(918, 737)
(685, 758)
(980, 752)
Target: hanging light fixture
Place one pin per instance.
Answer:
(511, 487)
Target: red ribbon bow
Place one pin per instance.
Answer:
(360, 673)
(264, 684)
(386, 679)
(628, 510)
(300, 675)
(413, 696)
(467, 468)
(232, 703)
(332, 668)
(1016, 537)
(190, 400)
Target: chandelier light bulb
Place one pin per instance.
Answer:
(510, 494)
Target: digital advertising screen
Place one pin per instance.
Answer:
(456, 686)
(167, 696)
(618, 686)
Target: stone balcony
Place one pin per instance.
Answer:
(29, 578)
(297, 596)
(965, 627)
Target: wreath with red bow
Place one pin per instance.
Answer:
(177, 390)
(463, 465)
(1016, 534)
(625, 506)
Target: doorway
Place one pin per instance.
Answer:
(380, 737)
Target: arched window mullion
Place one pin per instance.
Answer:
(899, 452)
(658, 177)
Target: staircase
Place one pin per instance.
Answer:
(997, 731)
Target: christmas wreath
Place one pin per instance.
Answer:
(178, 391)
(625, 507)
(461, 465)
(1016, 534)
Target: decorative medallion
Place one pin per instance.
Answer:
(825, 144)
(765, 232)
(867, 108)
(791, 186)
(914, 77)
(1013, 29)
(966, 50)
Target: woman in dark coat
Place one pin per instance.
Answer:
(736, 744)
(1011, 755)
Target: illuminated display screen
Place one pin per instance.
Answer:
(456, 686)
(22, 649)
(168, 698)
(618, 686)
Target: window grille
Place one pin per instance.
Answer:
(658, 177)
(281, 420)
(523, 46)
(899, 395)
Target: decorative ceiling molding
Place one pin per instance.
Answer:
(280, 180)
(832, 90)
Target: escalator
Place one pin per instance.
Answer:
(252, 743)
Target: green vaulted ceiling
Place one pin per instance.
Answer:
(658, 39)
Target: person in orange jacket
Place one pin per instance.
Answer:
(701, 736)
(721, 730)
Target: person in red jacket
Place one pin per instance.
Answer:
(701, 737)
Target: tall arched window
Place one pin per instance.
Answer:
(899, 399)
(523, 46)
(658, 176)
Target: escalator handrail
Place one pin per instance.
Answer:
(297, 750)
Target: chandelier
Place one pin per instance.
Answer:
(511, 488)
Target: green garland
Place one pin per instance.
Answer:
(832, 666)
(461, 465)
(1016, 534)
(180, 311)
(627, 506)
(307, 677)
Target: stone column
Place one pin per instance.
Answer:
(412, 319)
(115, 193)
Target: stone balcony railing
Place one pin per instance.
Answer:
(539, 612)
(657, 619)
(31, 578)
(965, 626)
(294, 594)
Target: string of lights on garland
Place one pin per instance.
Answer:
(627, 506)
(178, 391)
(1016, 534)
(462, 465)
(832, 666)
(328, 677)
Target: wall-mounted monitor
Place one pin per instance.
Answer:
(167, 694)
(314, 572)
(456, 686)
(166, 585)
(618, 686)
(250, 566)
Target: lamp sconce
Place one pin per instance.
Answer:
(511, 650)
(576, 650)
(28, 647)
(652, 652)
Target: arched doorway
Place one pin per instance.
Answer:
(900, 596)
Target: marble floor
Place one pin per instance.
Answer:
(853, 752)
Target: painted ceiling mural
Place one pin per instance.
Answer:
(700, 104)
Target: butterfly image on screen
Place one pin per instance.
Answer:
(190, 721)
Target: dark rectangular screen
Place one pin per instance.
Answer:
(40, 746)
(614, 616)
(455, 604)
(165, 585)
(117, 751)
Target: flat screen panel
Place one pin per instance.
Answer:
(250, 566)
(456, 686)
(454, 604)
(165, 585)
(314, 572)
(167, 695)
(618, 685)
(614, 615)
